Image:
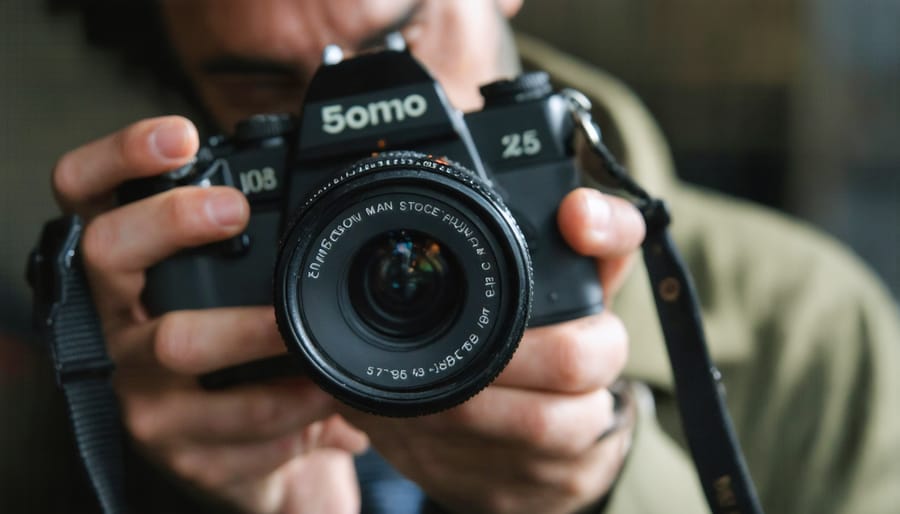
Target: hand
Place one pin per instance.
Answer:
(249, 445)
(529, 442)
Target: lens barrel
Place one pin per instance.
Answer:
(404, 285)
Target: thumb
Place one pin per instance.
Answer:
(605, 227)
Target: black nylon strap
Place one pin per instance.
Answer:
(65, 313)
(95, 422)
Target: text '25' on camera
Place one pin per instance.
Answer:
(405, 245)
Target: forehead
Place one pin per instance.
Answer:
(281, 29)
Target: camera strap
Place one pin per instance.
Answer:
(65, 315)
(699, 390)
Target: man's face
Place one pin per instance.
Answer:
(251, 56)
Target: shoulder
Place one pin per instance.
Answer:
(810, 341)
(771, 269)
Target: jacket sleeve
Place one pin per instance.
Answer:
(808, 342)
(823, 434)
(814, 379)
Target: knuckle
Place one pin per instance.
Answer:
(98, 241)
(198, 468)
(577, 485)
(180, 209)
(618, 354)
(141, 420)
(630, 223)
(65, 175)
(460, 416)
(537, 425)
(501, 501)
(572, 359)
(574, 446)
(172, 344)
(192, 467)
(211, 477)
(264, 411)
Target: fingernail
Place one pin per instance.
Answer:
(599, 213)
(225, 208)
(170, 139)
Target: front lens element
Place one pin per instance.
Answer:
(406, 285)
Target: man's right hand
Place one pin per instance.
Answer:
(249, 445)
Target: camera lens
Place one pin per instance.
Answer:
(403, 285)
(406, 285)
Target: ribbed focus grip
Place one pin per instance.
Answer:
(65, 313)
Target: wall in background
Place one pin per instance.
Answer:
(790, 103)
(55, 94)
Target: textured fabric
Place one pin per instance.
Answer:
(383, 490)
(807, 340)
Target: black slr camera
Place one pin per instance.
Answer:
(405, 246)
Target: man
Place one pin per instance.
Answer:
(809, 394)
(528, 443)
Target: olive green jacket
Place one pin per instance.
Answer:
(807, 340)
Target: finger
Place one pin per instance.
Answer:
(572, 357)
(613, 273)
(336, 432)
(551, 425)
(120, 244)
(138, 235)
(88, 174)
(197, 342)
(322, 481)
(579, 481)
(605, 227)
(242, 414)
(599, 225)
(220, 466)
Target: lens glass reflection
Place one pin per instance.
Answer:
(405, 284)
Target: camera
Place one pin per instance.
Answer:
(404, 245)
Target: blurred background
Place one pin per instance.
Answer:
(790, 103)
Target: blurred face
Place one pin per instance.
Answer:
(251, 56)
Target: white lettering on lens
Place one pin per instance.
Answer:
(379, 207)
(485, 317)
(460, 226)
(458, 355)
(327, 243)
(335, 119)
(427, 208)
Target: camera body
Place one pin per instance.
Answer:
(404, 245)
